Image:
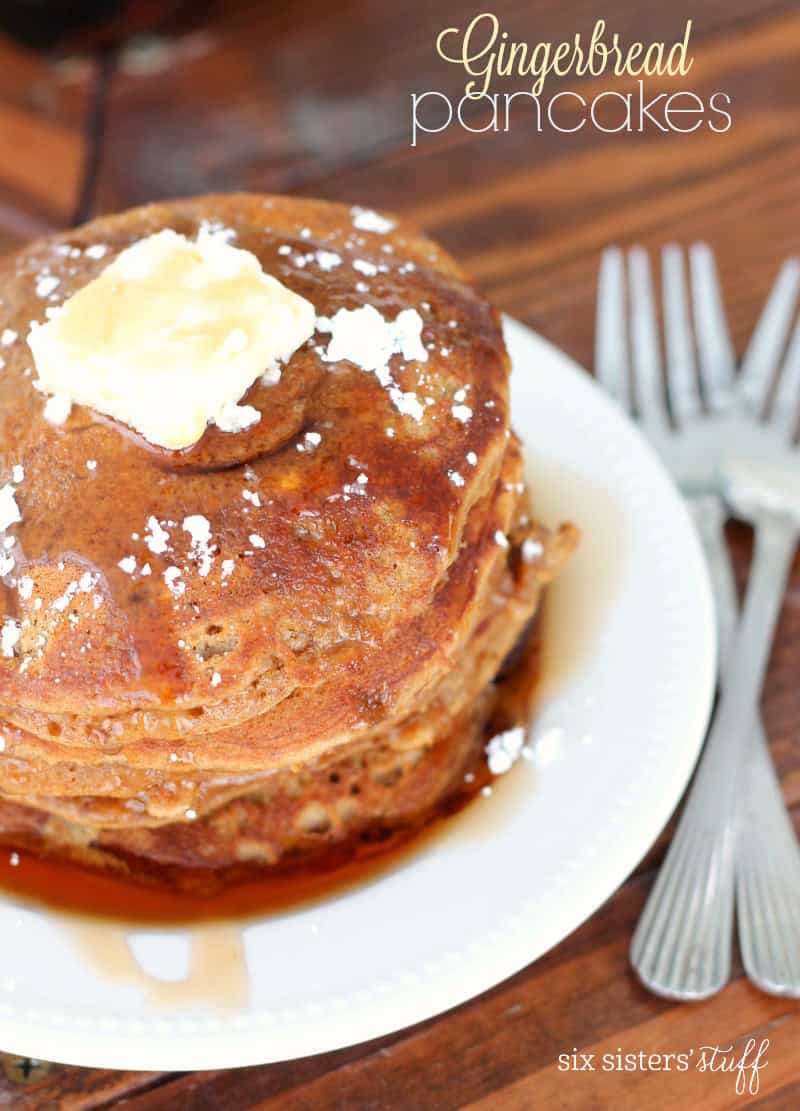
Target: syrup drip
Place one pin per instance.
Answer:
(218, 977)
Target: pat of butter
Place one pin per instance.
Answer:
(170, 336)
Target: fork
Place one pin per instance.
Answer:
(682, 946)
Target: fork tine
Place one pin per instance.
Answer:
(769, 338)
(787, 395)
(717, 357)
(644, 342)
(682, 389)
(611, 362)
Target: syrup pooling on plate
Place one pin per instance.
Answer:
(217, 974)
(100, 917)
(37, 881)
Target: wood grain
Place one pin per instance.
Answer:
(268, 102)
(45, 112)
(315, 98)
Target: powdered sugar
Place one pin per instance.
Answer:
(172, 579)
(236, 418)
(9, 510)
(9, 637)
(202, 550)
(57, 408)
(46, 285)
(503, 751)
(366, 220)
(328, 260)
(156, 537)
(362, 336)
(531, 550)
(311, 440)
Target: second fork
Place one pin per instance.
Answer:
(682, 945)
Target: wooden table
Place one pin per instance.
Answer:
(314, 99)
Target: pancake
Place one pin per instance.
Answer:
(206, 731)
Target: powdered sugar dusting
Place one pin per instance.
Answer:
(202, 550)
(57, 408)
(531, 550)
(172, 578)
(9, 510)
(365, 219)
(156, 537)
(503, 751)
(328, 260)
(236, 418)
(362, 336)
(9, 637)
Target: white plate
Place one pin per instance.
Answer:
(623, 710)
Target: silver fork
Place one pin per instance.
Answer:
(770, 940)
(681, 948)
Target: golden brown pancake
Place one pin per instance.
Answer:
(224, 727)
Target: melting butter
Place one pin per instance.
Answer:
(169, 337)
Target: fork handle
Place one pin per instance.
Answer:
(775, 543)
(709, 515)
(682, 945)
(767, 852)
(767, 879)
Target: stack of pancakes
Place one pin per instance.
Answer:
(322, 672)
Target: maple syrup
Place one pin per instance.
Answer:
(99, 911)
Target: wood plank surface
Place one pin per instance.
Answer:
(45, 112)
(315, 98)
